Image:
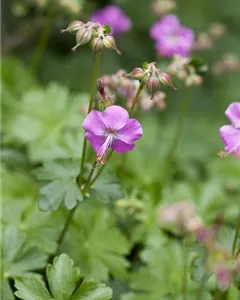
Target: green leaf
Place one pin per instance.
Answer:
(107, 29)
(161, 275)
(62, 277)
(95, 242)
(106, 188)
(90, 290)
(44, 119)
(31, 287)
(63, 189)
(145, 65)
(64, 284)
(18, 255)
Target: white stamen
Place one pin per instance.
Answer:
(110, 136)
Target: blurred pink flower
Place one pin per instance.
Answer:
(113, 16)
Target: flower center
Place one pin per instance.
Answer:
(110, 135)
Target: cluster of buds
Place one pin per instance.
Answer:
(182, 215)
(163, 7)
(205, 40)
(229, 63)
(92, 33)
(125, 87)
(181, 68)
(151, 77)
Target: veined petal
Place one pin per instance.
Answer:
(96, 141)
(121, 147)
(115, 117)
(131, 132)
(231, 138)
(233, 114)
(94, 123)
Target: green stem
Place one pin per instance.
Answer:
(90, 107)
(136, 100)
(185, 265)
(237, 232)
(42, 43)
(176, 138)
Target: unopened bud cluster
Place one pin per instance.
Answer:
(92, 33)
(182, 215)
(206, 40)
(181, 68)
(228, 63)
(151, 77)
(125, 87)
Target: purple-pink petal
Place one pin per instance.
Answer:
(94, 123)
(115, 117)
(130, 132)
(233, 114)
(121, 147)
(96, 141)
(231, 139)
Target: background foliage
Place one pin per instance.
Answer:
(114, 239)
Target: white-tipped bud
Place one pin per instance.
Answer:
(83, 36)
(73, 27)
(109, 42)
(137, 73)
(97, 45)
(166, 80)
(153, 85)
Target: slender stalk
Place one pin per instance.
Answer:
(176, 138)
(185, 265)
(135, 102)
(237, 233)
(90, 107)
(42, 43)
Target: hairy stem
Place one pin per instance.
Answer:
(90, 107)
(237, 233)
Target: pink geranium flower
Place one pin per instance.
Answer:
(111, 128)
(113, 16)
(171, 38)
(230, 134)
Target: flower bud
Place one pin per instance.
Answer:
(166, 80)
(137, 73)
(73, 27)
(153, 85)
(97, 45)
(83, 36)
(109, 42)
